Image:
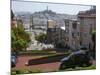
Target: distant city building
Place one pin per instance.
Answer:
(87, 21)
(26, 20)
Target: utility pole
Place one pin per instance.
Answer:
(47, 21)
(47, 8)
(46, 16)
(31, 23)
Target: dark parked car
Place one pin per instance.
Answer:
(13, 60)
(79, 58)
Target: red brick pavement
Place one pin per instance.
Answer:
(46, 67)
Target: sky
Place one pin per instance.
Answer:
(25, 6)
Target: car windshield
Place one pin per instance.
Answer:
(79, 52)
(72, 54)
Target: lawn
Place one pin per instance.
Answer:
(27, 71)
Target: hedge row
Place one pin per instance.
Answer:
(38, 52)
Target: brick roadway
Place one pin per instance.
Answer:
(46, 67)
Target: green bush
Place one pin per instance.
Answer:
(41, 37)
(19, 39)
(35, 52)
(13, 73)
(24, 71)
(35, 71)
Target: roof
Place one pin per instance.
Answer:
(89, 13)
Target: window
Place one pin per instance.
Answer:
(53, 29)
(66, 23)
(73, 35)
(90, 30)
(80, 43)
(74, 25)
(78, 33)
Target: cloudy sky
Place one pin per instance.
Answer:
(25, 6)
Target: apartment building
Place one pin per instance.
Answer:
(72, 33)
(65, 36)
(87, 21)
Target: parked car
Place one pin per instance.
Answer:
(13, 60)
(78, 58)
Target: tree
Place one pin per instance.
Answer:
(94, 38)
(94, 44)
(19, 39)
(41, 37)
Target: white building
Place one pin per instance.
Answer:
(72, 33)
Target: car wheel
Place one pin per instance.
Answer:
(85, 65)
(88, 64)
(62, 67)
